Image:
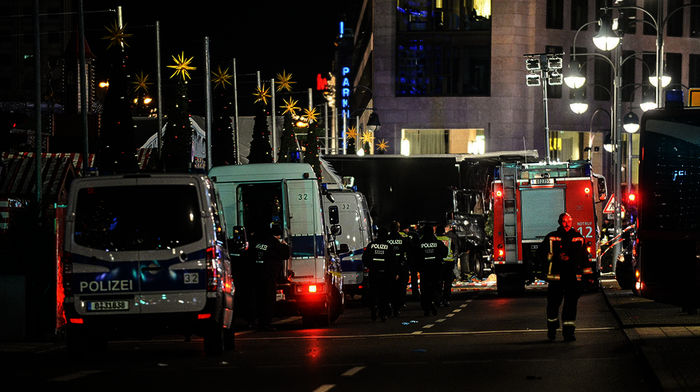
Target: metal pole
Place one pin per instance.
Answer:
(83, 88)
(544, 78)
(659, 53)
(311, 99)
(207, 82)
(160, 92)
(325, 125)
(258, 74)
(274, 122)
(37, 105)
(345, 134)
(235, 107)
(628, 170)
(617, 178)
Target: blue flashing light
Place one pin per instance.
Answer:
(674, 97)
(342, 28)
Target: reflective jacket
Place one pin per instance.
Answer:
(448, 243)
(564, 254)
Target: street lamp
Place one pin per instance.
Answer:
(544, 69)
(607, 38)
(630, 123)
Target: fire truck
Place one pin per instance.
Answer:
(527, 201)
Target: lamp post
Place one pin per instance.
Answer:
(544, 69)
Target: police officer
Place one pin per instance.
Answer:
(412, 234)
(399, 244)
(430, 252)
(564, 252)
(379, 260)
(447, 274)
(269, 254)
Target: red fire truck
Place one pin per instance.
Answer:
(527, 201)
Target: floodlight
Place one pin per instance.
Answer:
(555, 78)
(554, 62)
(533, 80)
(532, 64)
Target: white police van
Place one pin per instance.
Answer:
(288, 194)
(146, 255)
(348, 209)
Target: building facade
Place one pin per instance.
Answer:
(448, 76)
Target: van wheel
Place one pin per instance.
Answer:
(214, 340)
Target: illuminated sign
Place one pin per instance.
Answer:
(345, 92)
(321, 83)
(694, 97)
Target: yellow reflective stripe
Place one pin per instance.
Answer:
(570, 323)
(578, 239)
(552, 320)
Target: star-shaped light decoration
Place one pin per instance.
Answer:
(221, 78)
(141, 83)
(351, 133)
(182, 66)
(284, 81)
(311, 115)
(117, 35)
(290, 106)
(367, 137)
(262, 94)
(382, 145)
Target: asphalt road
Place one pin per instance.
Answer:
(480, 342)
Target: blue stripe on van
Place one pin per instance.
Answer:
(350, 264)
(130, 276)
(303, 245)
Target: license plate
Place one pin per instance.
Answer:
(280, 296)
(102, 306)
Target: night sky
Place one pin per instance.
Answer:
(269, 36)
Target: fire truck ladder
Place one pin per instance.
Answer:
(510, 214)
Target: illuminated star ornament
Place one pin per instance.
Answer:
(182, 66)
(367, 137)
(141, 83)
(290, 106)
(284, 81)
(382, 145)
(117, 35)
(351, 133)
(311, 115)
(221, 78)
(262, 94)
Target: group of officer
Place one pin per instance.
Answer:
(396, 255)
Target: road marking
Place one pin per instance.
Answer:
(75, 376)
(353, 371)
(324, 388)
(428, 325)
(450, 315)
(463, 306)
(440, 320)
(403, 334)
(456, 310)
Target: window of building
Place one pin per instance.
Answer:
(443, 15)
(651, 6)
(602, 75)
(443, 141)
(675, 22)
(565, 145)
(695, 19)
(443, 65)
(555, 14)
(628, 76)
(674, 67)
(648, 91)
(694, 70)
(579, 14)
(553, 91)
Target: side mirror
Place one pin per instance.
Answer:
(602, 188)
(344, 248)
(336, 230)
(238, 243)
(333, 215)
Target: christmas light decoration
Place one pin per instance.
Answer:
(182, 66)
(284, 81)
(262, 94)
(117, 35)
(290, 106)
(221, 78)
(141, 83)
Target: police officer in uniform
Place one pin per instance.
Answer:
(399, 243)
(413, 236)
(379, 260)
(430, 252)
(447, 274)
(564, 252)
(269, 254)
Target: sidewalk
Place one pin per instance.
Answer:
(668, 339)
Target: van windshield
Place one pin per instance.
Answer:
(128, 218)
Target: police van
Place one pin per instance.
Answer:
(348, 208)
(145, 255)
(287, 194)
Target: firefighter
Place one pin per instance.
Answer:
(399, 244)
(564, 252)
(447, 274)
(379, 260)
(269, 254)
(430, 254)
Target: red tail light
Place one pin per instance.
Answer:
(498, 193)
(203, 316)
(213, 271)
(311, 289)
(586, 190)
(76, 321)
